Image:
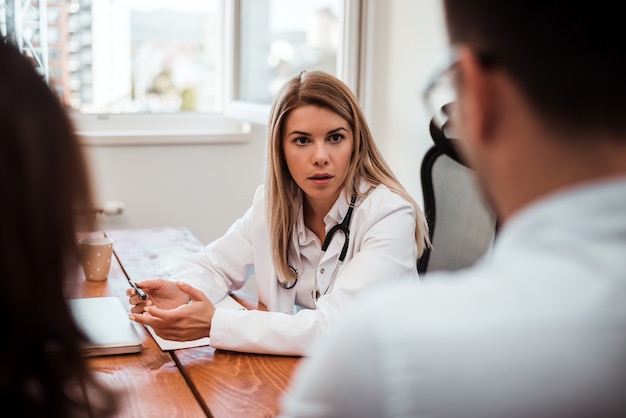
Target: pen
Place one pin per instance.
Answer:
(139, 291)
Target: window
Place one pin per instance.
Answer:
(178, 65)
(279, 38)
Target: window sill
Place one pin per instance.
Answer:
(167, 137)
(140, 130)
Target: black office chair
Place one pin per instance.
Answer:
(462, 226)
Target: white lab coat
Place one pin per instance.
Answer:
(382, 247)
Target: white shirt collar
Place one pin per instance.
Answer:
(334, 216)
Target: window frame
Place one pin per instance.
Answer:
(232, 123)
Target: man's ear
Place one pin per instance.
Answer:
(476, 95)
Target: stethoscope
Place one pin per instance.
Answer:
(344, 227)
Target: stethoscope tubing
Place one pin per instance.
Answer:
(343, 226)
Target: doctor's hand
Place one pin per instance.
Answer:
(183, 323)
(164, 293)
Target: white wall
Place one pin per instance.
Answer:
(207, 187)
(202, 187)
(406, 42)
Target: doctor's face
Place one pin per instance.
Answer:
(318, 146)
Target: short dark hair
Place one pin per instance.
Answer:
(564, 55)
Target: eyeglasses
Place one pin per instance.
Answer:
(441, 89)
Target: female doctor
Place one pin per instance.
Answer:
(330, 220)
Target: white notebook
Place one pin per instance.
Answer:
(106, 323)
(227, 302)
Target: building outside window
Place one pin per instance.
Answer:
(175, 57)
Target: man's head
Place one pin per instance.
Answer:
(565, 56)
(541, 91)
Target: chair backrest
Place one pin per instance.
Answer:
(462, 226)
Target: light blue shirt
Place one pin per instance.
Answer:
(536, 330)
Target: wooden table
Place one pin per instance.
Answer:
(192, 382)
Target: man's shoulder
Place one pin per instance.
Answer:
(439, 287)
(442, 302)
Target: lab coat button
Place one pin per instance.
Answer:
(322, 270)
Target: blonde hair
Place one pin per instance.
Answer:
(321, 89)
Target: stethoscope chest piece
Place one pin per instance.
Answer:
(289, 284)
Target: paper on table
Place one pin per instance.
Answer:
(228, 302)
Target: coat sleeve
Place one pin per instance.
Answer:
(382, 248)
